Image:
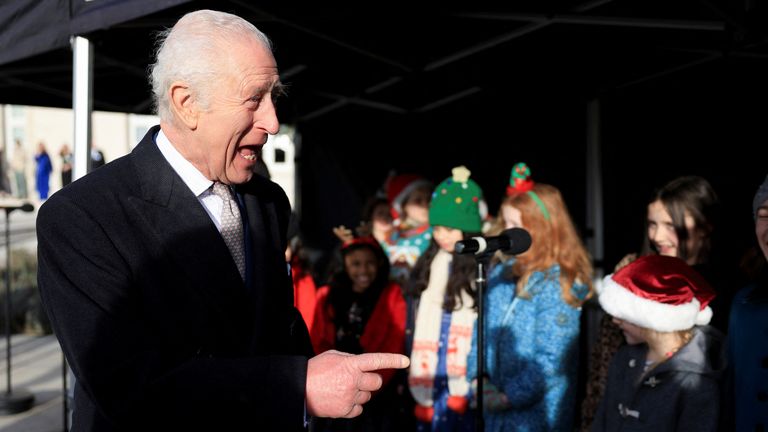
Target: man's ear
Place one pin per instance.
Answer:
(183, 104)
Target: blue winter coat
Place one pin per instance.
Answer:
(748, 359)
(531, 351)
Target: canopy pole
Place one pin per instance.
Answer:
(595, 188)
(82, 103)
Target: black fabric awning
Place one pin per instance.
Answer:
(29, 28)
(485, 84)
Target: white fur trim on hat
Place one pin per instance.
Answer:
(624, 305)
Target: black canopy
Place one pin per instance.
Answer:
(675, 88)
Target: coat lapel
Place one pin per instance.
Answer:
(184, 231)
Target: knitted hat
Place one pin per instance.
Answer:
(456, 201)
(658, 292)
(399, 187)
(760, 197)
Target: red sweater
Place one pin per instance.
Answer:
(304, 296)
(384, 331)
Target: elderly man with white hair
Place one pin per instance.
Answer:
(163, 272)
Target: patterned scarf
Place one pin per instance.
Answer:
(426, 336)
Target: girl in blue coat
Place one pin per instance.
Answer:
(532, 314)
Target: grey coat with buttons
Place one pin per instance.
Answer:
(680, 394)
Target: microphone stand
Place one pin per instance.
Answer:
(482, 260)
(512, 241)
(20, 400)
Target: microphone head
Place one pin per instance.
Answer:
(519, 241)
(465, 247)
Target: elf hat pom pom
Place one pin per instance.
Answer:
(658, 292)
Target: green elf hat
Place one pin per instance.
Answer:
(456, 202)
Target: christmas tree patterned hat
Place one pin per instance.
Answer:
(456, 203)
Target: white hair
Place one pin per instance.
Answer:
(191, 52)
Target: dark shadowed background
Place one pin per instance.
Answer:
(680, 86)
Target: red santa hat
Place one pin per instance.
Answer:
(658, 292)
(399, 187)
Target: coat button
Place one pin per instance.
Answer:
(632, 363)
(762, 396)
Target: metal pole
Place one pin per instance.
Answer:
(482, 263)
(8, 301)
(82, 84)
(595, 188)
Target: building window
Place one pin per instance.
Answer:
(17, 111)
(279, 156)
(18, 133)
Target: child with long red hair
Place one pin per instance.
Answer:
(532, 317)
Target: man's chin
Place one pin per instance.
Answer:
(240, 177)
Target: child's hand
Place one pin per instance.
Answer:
(628, 258)
(493, 399)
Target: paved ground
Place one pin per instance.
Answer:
(36, 366)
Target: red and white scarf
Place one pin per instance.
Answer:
(426, 336)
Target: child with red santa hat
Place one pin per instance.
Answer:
(667, 377)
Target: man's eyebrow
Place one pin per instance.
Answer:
(279, 89)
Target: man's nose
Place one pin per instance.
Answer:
(267, 119)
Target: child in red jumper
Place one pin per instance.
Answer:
(362, 311)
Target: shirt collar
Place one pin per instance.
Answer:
(192, 177)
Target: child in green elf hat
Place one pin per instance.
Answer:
(442, 313)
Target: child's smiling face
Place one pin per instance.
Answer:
(362, 268)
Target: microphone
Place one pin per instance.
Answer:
(513, 241)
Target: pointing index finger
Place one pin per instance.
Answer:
(370, 362)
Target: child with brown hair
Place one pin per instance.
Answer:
(442, 313)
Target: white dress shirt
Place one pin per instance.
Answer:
(192, 177)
